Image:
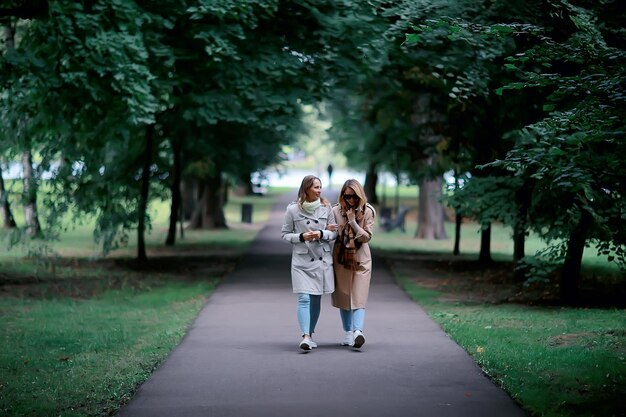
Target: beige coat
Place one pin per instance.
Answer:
(352, 287)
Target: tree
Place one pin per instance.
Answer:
(5, 206)
(558, 184)
(121, 78)
(20, 132)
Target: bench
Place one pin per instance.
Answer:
(388, 223)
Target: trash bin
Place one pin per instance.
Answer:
(246, 213)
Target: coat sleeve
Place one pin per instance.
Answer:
(364, 234)
(330, 234)
(288, 232)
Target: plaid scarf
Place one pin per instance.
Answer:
(346, 246)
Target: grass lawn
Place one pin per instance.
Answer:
(78, 240)
(81, 332)
(556, 361)
(73, 356)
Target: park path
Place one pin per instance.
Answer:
(241, 358)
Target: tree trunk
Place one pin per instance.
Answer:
(519, 241)
(245, 181)
(458, 219)
(570, 275)
(189, 195)
(522, 198)
(214, 215)
(31, 217)
(396, 196)
(175, 191)
(519, 251)
(224, 199)
(457, 234)
(371, 179)
(8, 222)
(195, 221)
(143, 198)
(5, 207)
(181, 223)
(485, 246)
(209, 212)
(430, 219)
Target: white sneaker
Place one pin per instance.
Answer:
(359, 339)
(348, 339)
(306, 344)
(312, 343)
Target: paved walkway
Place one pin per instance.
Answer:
(241, 358)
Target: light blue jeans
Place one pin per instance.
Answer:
(352, 319)
(308, 312)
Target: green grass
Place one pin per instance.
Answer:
(80, 333)
(556, 362)
(84, 357)
(78, 241)
(80, 338)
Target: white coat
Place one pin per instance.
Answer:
(311, 261)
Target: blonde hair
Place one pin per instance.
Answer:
(358, 190)
(308, 182)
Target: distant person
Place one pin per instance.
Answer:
(329, 169)
(311, 260)
(352, 260)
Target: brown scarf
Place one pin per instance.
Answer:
(346, 246)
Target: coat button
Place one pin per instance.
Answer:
(312, 259)
(307, 222)
(320, 258)
(316, 221)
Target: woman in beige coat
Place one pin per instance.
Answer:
(352, 259)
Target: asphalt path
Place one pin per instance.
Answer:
(241, 358)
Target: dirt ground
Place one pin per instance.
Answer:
(458, 278)
(464, 279)
(85, 278)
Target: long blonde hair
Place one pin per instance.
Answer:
(308, 182)
(358, 190)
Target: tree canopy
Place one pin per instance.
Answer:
(122, 102)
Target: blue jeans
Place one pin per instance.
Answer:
(308, 312)
(352, 319)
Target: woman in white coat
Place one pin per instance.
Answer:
(311, 259)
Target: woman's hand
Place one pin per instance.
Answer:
(312, 235)
(333, 227)
(351, 214)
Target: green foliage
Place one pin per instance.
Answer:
(85, 80)
(540, 267)
(475, 199)
(573, 155)
(568, 61)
